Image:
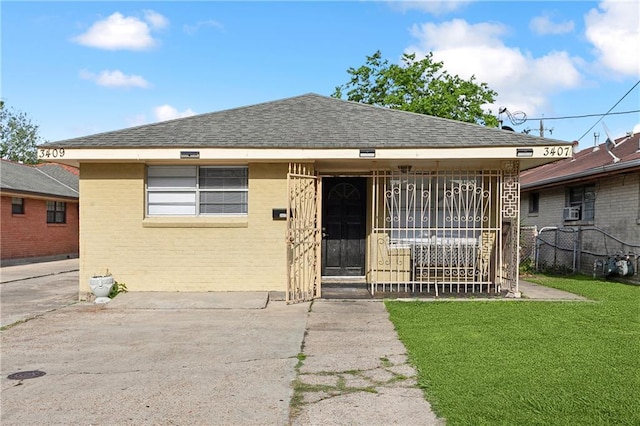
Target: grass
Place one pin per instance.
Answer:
(529, 363)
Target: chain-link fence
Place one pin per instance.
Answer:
(528, 236)
(572, 250)
(557, 250)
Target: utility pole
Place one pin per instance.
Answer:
(542, 129)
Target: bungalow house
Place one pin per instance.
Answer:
(595, 195)
(39, 219)
(281, 195)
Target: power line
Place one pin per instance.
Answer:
(583, 116)
(616, 104)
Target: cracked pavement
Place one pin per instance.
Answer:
(153, 366)
(355, 371)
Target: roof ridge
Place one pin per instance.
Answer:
(56, 180)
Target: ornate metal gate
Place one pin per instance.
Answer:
(303, 234)
(435, 231)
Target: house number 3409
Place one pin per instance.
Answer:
(51, 153)
(556, 151)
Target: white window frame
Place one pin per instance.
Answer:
(582, 202)
(183, 196)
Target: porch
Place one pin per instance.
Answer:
(423, 232)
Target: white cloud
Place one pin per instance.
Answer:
(433, 7)
(167, 112)
(115, 78)
(155, 19)
(160, 113)
(122, 32)
(544, 25)
(523, 82)
(192, 29)
(614, 31)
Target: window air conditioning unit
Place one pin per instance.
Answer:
(571, 213)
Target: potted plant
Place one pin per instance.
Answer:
(101, 287)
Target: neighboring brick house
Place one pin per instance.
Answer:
(598, 188)
(39, 212)
(282, 195)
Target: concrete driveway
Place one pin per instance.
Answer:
(25, 299)
(145, 358)
(153, 366)
(27, 291)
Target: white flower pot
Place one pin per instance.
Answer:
(101, 287)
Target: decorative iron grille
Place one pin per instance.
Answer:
(510, 199)
(436, 231)
(303, 234)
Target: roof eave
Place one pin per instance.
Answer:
(12, 192)
(591, 173)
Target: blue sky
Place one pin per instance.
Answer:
(78, 68)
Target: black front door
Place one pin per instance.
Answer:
(343, 222)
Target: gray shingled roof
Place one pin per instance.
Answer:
(46, 179)
(307, 121)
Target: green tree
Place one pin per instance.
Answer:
(421, 86)
(18, 136)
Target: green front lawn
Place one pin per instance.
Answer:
(525, 362)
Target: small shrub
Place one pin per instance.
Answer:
(117, 289)
(556, 269)
(527, 267)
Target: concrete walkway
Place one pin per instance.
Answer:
(539, 292)
(355, 370)
(35, 270)
(30, 290)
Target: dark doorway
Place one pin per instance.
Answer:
(343, 226)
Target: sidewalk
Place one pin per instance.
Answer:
(34, 270)
(355, 370)
(539, 292)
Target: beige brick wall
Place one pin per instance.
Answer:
(245, 255)
(617, 207)
(550, 208)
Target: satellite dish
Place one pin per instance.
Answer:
(507, 128)
(610, 141)
(609, 138)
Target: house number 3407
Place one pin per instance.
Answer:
(556, 151)
(51, 153)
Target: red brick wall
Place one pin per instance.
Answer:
(29, 235)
